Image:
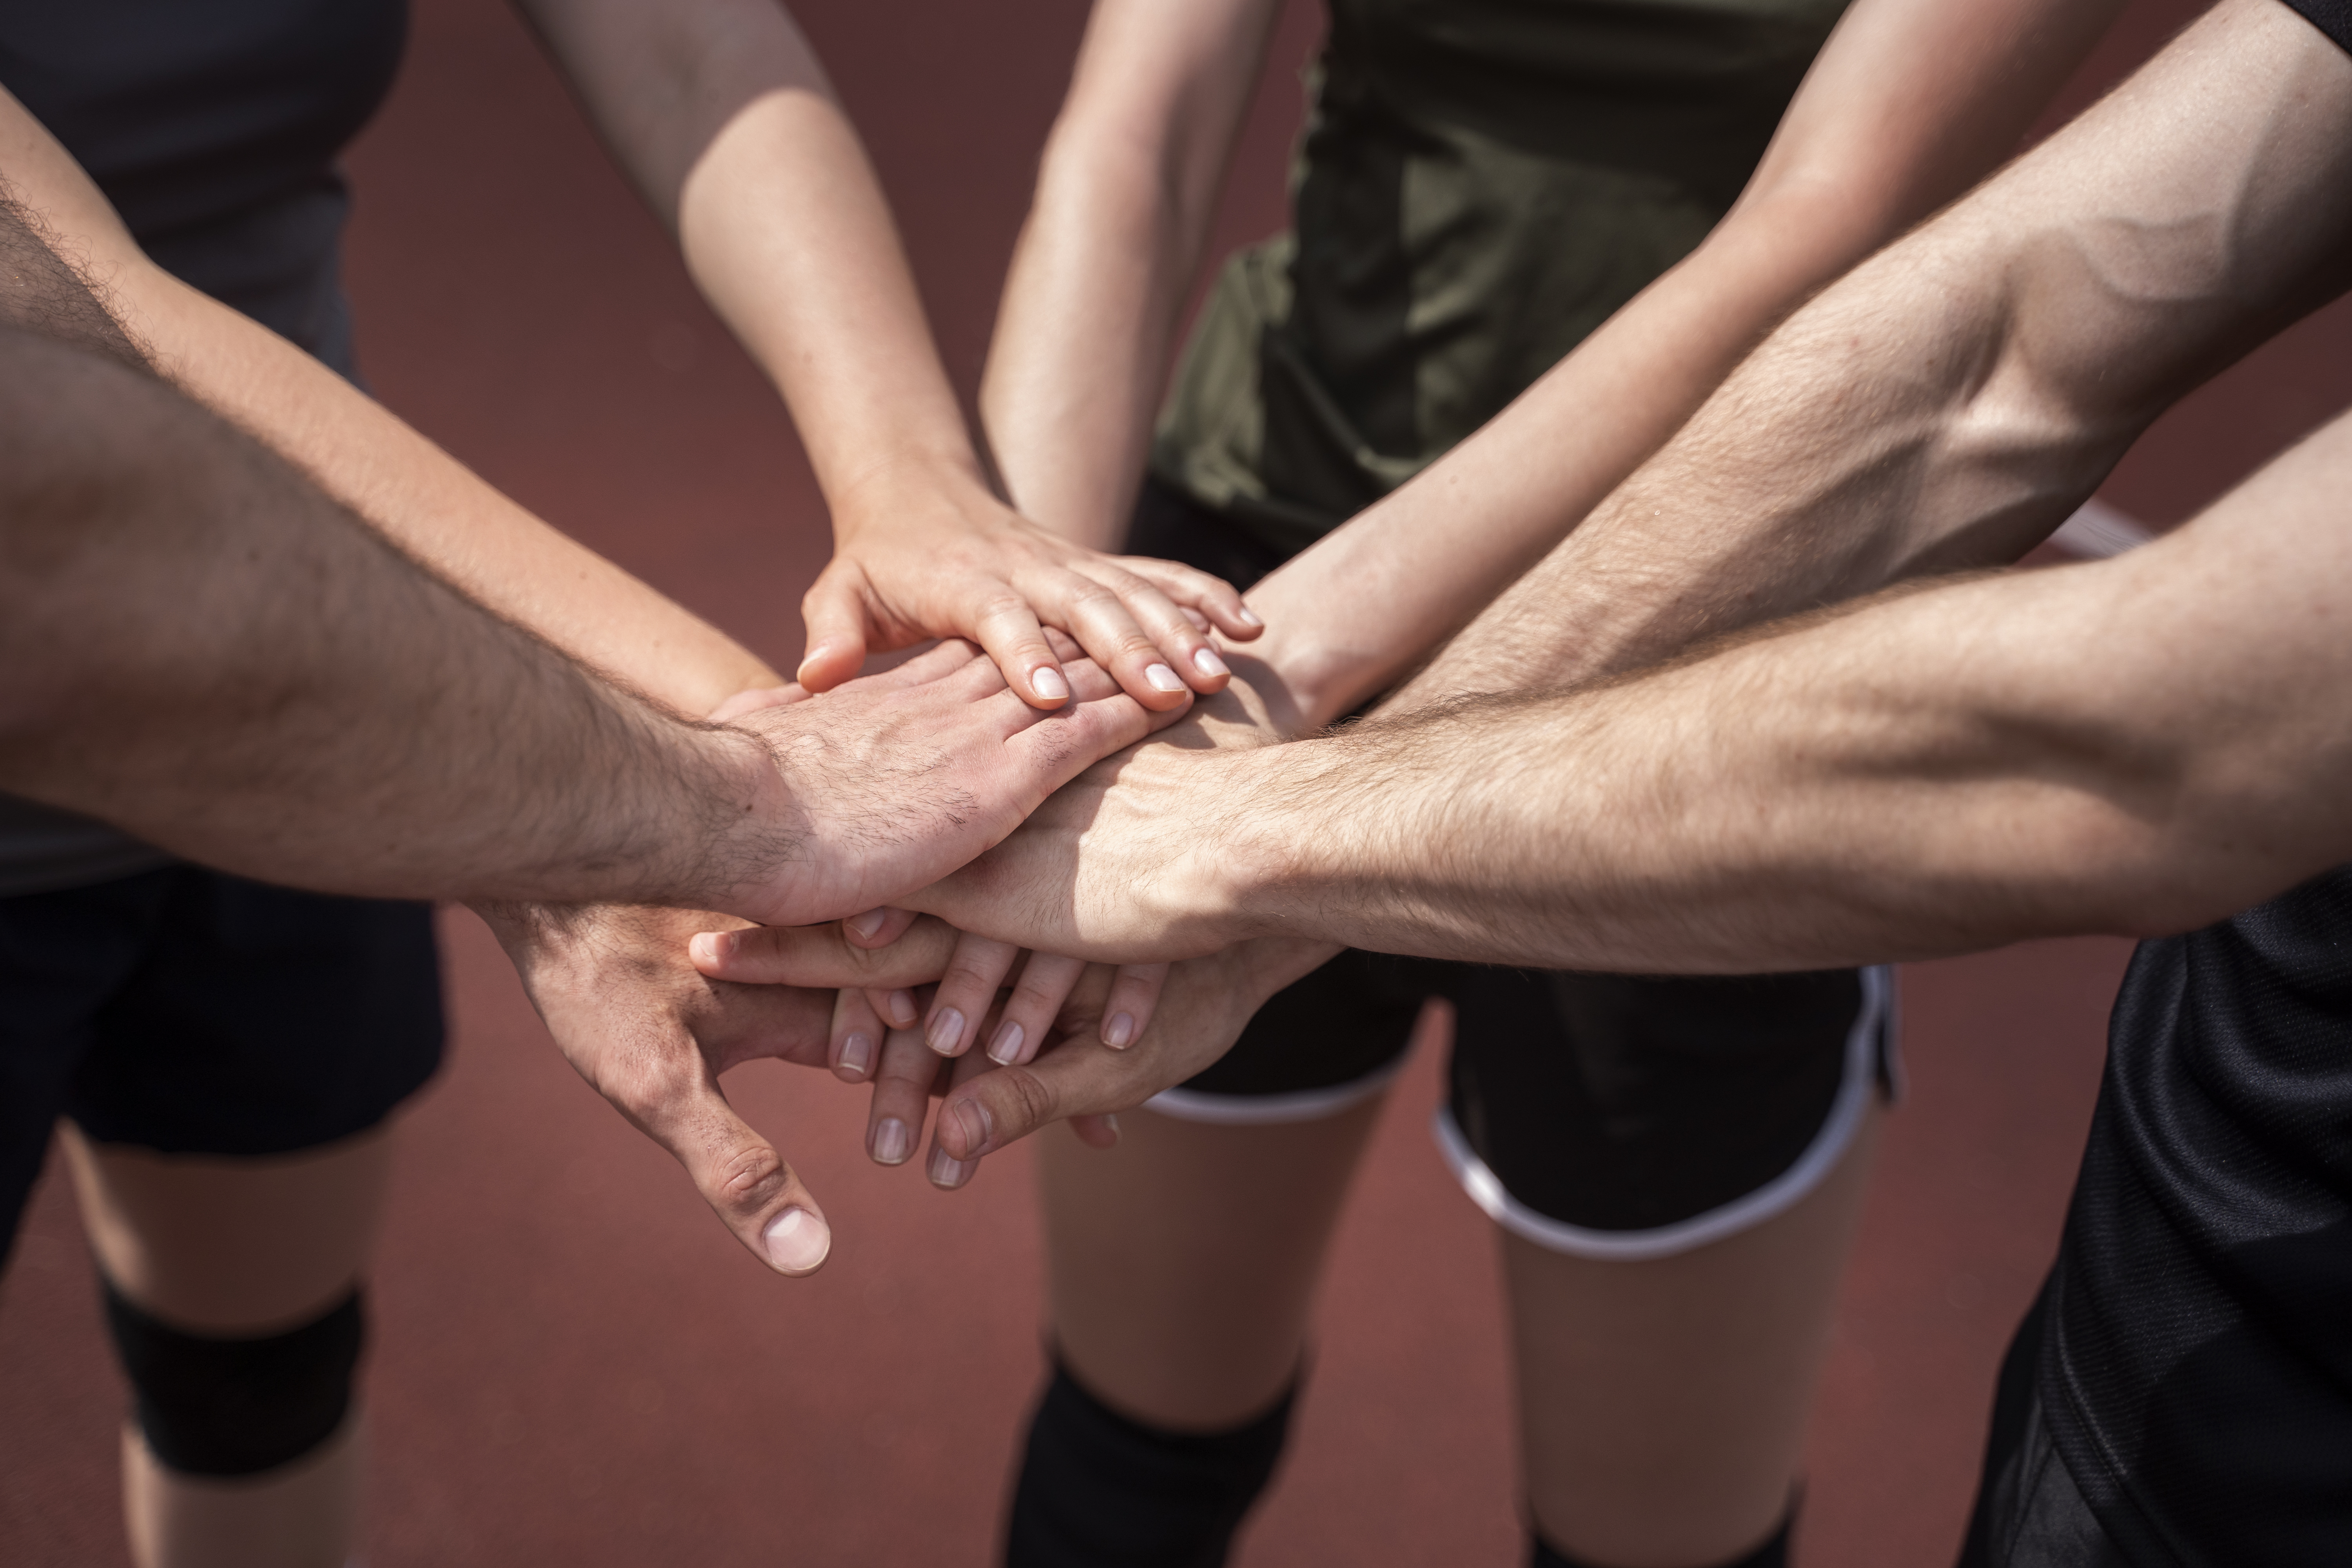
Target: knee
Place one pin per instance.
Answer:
(214, 1406)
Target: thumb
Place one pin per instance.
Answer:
(740, 1174)
(834, 611)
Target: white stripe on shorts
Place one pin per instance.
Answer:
(1772, 1199)
(1273, 1110)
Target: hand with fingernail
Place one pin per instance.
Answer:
(923, 553)
(984, 987)
(891, 1027)
(628, 1010)
(893, 780)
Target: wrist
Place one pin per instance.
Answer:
(910, 481)
(1229, 887)
(754, 857)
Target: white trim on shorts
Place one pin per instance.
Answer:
(1273, 1109)
(1770, 1200)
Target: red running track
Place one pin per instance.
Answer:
(574, 1364)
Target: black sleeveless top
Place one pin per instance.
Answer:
(2198, 1373)
(213, 126)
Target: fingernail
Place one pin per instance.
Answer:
(1159, 678)
(1110, 1123)
(1206, 661)
(946, 1171)
(857, 1053)
(797, 1241)
(1047, 682)
(704, 949)
(814, 654)
(892, 1142)
(946, 1032)
(972, 1118)
(902, 1006)
(1007, 1044)
(869, 922)
(1247, 616)
(1119, 1031)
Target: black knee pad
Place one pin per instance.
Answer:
(1099, 1491)
(218, 1406)
(1773, 1554)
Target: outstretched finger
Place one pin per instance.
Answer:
(1209, 595)
(1126, 1012)
(1183, 643)
(1007, 630)
(966, 993)
(1036, 1001)
(1097, 614)
(902, 1096)
(946, 1172)
(856, 1038)
(840, 620)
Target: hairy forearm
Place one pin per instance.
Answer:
(419, 496)
(1125, 195)
(202, 650)
(1937, 774)
(1947, 404)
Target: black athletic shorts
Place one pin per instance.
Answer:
(1607, 1116)
(195, 1013)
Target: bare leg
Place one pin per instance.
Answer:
(1664, 1405)
(234, 1247)
(1184, 1263)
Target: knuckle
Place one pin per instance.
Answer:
(743, 1178)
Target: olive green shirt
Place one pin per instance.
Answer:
(1480, 184)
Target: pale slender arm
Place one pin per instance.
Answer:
(722, 113)
(1125, 195)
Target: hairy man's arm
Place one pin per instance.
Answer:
(1948, 404)
(197, 645)
(2139, 746)
(356, 450)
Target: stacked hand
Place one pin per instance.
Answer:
(920, 556)
(894, 780)
(1079, 877)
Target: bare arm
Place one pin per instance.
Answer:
(1950, 401)
(205, 650)
(1910, 103)
(723, 116)
(1125, 195)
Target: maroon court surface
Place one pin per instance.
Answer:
(574, 1364)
